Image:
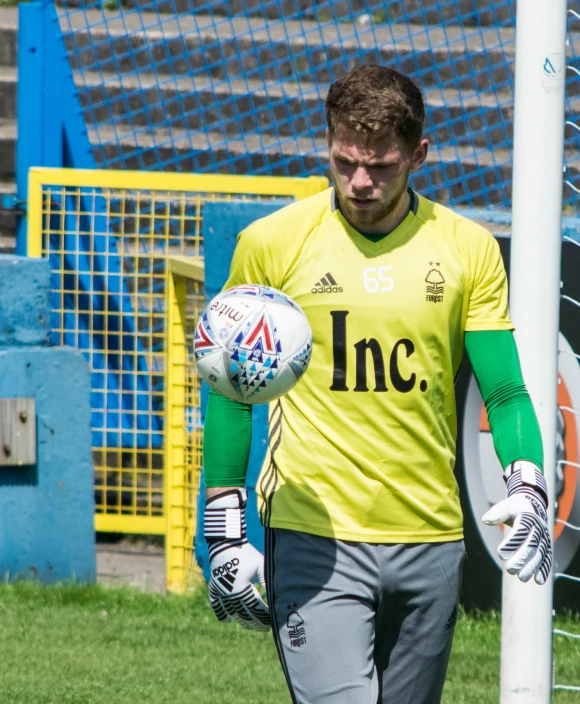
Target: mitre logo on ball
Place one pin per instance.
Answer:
(252, 343)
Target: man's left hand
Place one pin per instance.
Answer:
(528, 546)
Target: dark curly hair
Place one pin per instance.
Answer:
(377, 101)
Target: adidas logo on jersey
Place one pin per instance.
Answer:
(327, 284)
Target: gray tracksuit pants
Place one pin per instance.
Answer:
(359, 623)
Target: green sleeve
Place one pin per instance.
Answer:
(512, 419)
(227, 436)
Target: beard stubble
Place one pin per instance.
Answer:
(360, 219)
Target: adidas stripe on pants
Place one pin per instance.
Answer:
(357, 623)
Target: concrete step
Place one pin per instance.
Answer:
(470, 58)
(462, 172)
(199, 103)
(301, 50)
(479, 176)
(8, 85)
(8, 43)
(7, 149)
(191, 152)
(287, 108)
(184, 150)
(468, 12)
(8, 35)
(7, 221)
(429, 12)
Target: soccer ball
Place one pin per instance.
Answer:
(252, 343)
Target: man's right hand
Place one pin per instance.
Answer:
(234, 563)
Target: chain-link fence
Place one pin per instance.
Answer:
(239, 87)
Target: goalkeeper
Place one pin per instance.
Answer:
(364, 537)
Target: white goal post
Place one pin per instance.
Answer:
(526, 642)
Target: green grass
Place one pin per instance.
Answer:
(93, 645)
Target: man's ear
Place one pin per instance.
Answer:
(328, 139)
(419, 155)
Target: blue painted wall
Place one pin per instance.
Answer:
(46, 510)
(24, 303)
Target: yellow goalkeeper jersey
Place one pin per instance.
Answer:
(363, 448)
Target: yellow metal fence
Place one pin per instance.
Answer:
(126, 254)
(183, 426)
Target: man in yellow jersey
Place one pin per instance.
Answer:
(364, 536)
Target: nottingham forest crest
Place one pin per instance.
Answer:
(435, 284)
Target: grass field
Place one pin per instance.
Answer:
(93, 645)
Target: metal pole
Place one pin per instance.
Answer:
(526, 651)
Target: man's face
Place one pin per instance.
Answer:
(371, 179)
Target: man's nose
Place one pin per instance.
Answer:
(361, 178)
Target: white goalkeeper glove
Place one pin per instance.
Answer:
(234, 563)
(528, 547)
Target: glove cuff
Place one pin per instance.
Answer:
(522, 477)
(224, 521)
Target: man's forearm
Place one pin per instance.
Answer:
(227, 437)
(512, 419)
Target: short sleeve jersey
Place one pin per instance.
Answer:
(363, 448)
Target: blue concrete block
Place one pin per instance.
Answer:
(47, 512)
(24, 301)
(221, 224)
